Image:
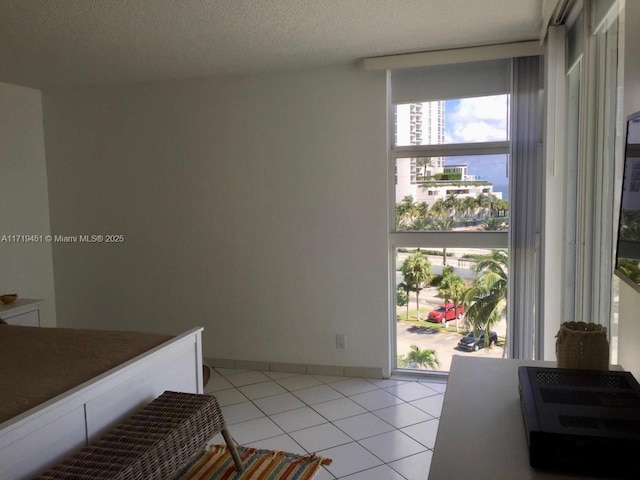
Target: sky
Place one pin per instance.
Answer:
(479, 119)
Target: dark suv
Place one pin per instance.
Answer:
(470, 342)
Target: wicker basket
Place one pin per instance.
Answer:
(582, 345)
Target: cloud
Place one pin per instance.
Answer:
(479, 119)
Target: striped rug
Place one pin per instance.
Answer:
(217, 464)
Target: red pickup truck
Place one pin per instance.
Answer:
(446, 312)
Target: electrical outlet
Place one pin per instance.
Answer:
(341, 341)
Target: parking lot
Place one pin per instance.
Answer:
(444, 343)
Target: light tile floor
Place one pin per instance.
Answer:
(371, 429)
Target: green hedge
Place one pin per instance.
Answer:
(448, 176)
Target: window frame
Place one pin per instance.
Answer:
(432, 239)
(522, 240)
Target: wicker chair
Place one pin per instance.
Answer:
(153, 444)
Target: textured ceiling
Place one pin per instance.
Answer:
(56, 43)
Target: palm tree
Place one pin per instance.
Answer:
(447, 271)
(411, 215)
(493, 224)
(422, 164)
(399, 221)
(402, 296)
(452, 287)
(442, 225)
(405, 212)
(452, 203)
(486, 300)
(416, 270)
(469, 204)
(420, 223)
(422, 209)
(439, 209)
(424, 357)
(500, 206)
(484, 203)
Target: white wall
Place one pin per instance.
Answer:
(254, 206)
(25, 268)
(629, 320)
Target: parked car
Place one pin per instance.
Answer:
(446, 312)
(470, 342)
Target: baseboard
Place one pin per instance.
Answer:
(311, 369)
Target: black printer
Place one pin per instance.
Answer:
(582, 421)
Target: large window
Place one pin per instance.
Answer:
(594, 155)
(450, 209)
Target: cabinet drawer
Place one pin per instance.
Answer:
(29, 319)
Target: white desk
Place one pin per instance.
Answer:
(481, 433)
(23, 311)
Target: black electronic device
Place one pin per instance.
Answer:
(581, 421)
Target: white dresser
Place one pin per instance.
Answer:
(24, 311)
